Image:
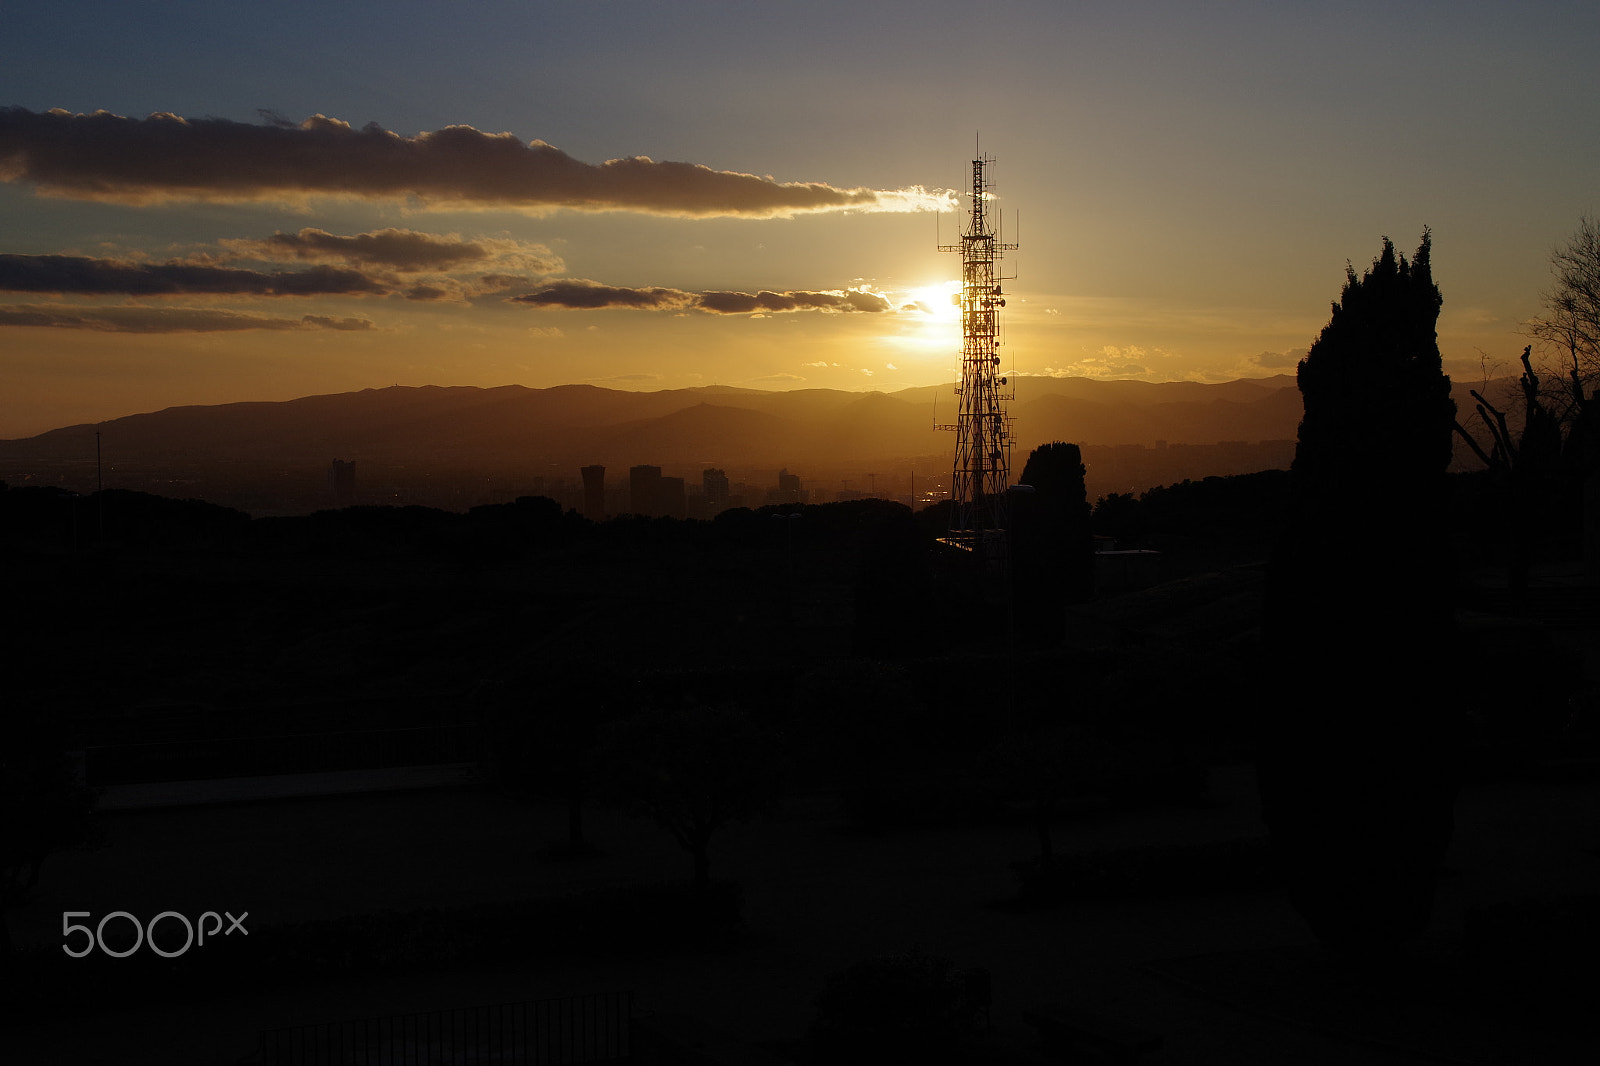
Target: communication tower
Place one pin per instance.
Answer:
(982, 470)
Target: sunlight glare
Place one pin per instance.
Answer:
(940, 302)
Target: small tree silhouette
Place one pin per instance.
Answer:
(544, 726)
(1041, 770)
(693, 770)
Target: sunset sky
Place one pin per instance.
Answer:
(204, 203)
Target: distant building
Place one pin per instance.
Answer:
(672, 497)
(342, 482)
(788, 490)
(713, 496)
(594, 492)
(715, 483)
(644, 490)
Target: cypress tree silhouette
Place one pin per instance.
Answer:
(1355, 759)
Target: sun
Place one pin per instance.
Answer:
(929, 324)
(940, 301)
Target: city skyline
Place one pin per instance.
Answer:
(314, 216)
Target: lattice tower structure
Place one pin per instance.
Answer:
(982, 468)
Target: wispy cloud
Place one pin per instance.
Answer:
(389, 262)
(165, 157)
(403, 250)
(1280, 360)
(164, 319)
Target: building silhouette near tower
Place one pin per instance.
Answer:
(644, 490)
(788, 490)
(714, 482)
(594, 492)
(673, 497)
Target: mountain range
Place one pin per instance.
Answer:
(458, 446)
(496, 427)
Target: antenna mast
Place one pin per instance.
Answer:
(982, 470)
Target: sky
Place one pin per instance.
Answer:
(209, 203)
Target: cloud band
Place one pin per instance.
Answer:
(81, 275)
(165, 319)
(102, 156)
(582, 294)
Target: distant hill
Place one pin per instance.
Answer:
(458, 446)
(583, 423)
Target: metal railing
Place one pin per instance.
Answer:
(222, 757)
(548, 1032)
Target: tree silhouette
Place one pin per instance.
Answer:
(545, 724)
(1040, 769)
(693, 769)
(1120, 516)
(1355, 774)
(1526, 469)
(1570, 327)
(1571, 324)
(893, 604)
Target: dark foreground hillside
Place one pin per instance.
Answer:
(1064, 802)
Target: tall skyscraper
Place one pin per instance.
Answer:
(715, 484)
(788, 490)
(594, 492)
(342, 482)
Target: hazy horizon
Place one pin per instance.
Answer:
(203, 209)
(1288, 379)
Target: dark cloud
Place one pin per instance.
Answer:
(102, 156)
(739, 303)
(502, 282)
(861, 300)
(80, 275)
(427, 292)
(406, 251)
(582, 294)
(345, 325)
(164, 319)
